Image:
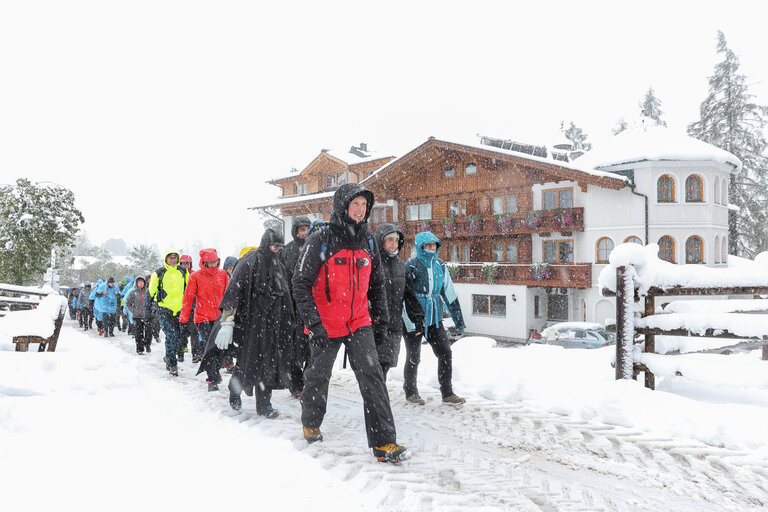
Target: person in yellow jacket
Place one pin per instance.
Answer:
(166, 287)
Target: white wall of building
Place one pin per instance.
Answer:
(512, 325)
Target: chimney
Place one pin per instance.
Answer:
(363, 146)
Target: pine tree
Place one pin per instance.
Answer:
(731, 120)
(144, 259)
(576, 135)
(650, 107)
(37, 221)
(621, 125)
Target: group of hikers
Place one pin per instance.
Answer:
(278, 316)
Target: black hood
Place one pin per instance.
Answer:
(343, 196)
(385, 229)
(297, 223)
(270, 237)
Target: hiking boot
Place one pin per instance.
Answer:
(235, 401)
(453, 400)
(391, 452)
(212, 386)
(312, 435)
(140, 352)
(149, 349)
(101, 332)
(270, 413)
(174, 370)
(416, 399)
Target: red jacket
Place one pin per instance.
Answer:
(206, 286)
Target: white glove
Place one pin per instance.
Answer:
(224, 336)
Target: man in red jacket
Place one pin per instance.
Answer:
(338, 273)
(205, 289)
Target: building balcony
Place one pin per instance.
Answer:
(541, 222)
(573, 275)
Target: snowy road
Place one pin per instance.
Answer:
(509, 457)
(492, 455)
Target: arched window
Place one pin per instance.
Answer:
(694, 250)
(717, 241)
(633, 240)
(717, 191)
(724, 251)
(665, 189)
(667, 249)
(724, 193)
(694, 189)
(604, 248)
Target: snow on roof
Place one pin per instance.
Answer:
(295, 199)
(651, 271)
(576, 166)
(652, 143)
(358, 157)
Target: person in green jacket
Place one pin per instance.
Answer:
(166, 287)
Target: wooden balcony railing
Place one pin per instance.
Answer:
(575, 275)
(540, 221)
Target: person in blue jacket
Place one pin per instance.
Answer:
(107, 297)
(97, 313)
(434, 289)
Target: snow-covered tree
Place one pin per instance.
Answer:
(621, 125)
(37, 221)
(144, 259)
(576, 135)
(650, 107)
(731, 120)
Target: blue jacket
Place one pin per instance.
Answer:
(433, 285)
(106, 298)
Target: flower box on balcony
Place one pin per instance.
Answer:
(474, 224)
(449, 226)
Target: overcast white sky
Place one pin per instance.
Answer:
(166, 117)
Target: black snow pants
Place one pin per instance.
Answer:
(441, 346)
(361, 350)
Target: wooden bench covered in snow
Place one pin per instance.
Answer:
(41, 325)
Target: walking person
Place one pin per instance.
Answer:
(257, 316)
(434, 289)
(338, 273)
(399, 292)
(290, 255)
(187, 331)
(107, 297)
(166, 287)
(85, 305)
(137, 302)
(205, 290)
(229, 265)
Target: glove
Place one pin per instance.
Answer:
(317, 334)
(224, 336)
(419, 327)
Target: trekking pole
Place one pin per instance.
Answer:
(344, 363)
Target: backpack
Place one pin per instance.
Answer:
(161, 293)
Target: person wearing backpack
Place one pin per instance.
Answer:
(137, 302)
(434, 289)
(338, 273)
(166, 287)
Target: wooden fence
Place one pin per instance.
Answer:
(627, 331)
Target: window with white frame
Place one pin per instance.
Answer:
(418, 211)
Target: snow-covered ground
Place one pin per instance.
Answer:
(97, 427)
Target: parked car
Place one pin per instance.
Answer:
(577, 335)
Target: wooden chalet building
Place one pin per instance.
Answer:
(310, 192)
(500, 212)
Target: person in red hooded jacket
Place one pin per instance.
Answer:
(205, 290)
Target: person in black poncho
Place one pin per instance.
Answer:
(257, 316)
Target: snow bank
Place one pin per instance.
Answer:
(651, 271)
(34, 322)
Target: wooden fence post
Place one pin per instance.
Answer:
(650, 342)
(625, 325)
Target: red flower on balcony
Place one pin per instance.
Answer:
(474, 224)
(505, 223)
(564, 219)
(541, 271)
